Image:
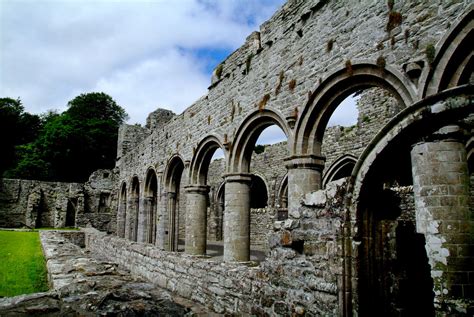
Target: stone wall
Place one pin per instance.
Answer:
(292, 47)
(38, 204)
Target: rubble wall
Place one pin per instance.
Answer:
(35, 204)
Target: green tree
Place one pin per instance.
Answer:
(16, 128)
(73, 144)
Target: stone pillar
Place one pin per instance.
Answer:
(441, 188)
(237, 217)
(196, 219)
(304, 176)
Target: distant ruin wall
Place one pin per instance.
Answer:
(36, 204)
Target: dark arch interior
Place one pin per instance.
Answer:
(150, 206)
(135, 202)
(393, 271)
(176, 210)
(258, 193)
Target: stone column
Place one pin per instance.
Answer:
(237, 217)
(196, 219)
(304, 176)
(441, 188)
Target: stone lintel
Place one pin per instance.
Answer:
(310, 161)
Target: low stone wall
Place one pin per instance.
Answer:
(222, 287)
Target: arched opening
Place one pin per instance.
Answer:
(71, 212)
(134, 209)
(341, 168)
(176, 204)
(150, 206)
(365, 79)
(215, 214)
(122, 211)
(397, 267)
(367, 111)
(259, 146)
(207, 171)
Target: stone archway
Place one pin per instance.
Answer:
(309, 129)
(122, 210)
(306, 164)
(172, 178)
(133, 209)
(377, 216)
(238, 180)
(149, 214)
(197, 195)
(342, 167)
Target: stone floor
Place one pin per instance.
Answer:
(85, 286)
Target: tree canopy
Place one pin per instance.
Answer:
(71, 145)
(16, 127)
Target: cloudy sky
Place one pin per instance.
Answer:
(144, 53)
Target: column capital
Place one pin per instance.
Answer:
(238, 177)
(309, 161)
(197, 189)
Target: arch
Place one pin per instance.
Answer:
(150, 205)
(248, 133)
(172, 175)
(311, 125)
(258, 192)
(405, 129)
(134, 208)
(425, 117)
(342, 167)
(202, 158)
(122, 210)
(453, 64)
(172, 182)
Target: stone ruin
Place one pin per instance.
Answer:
(376, 218)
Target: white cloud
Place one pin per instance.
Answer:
(140, 52)
(346, 113)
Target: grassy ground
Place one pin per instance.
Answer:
(22, 266)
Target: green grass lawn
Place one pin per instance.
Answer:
(22, 265)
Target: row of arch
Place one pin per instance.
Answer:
(451, 67)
